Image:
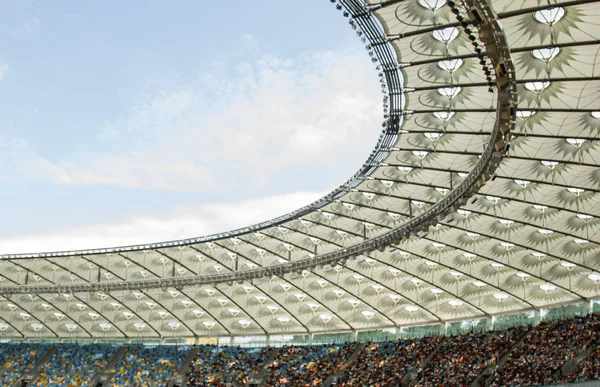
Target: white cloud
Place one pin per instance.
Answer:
(273, 115)
(181, 224)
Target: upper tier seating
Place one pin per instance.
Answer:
(308, 365)
(75, 365)
(381, 364)
(18, 359)
(462, 358)
(547, 348)
(148, 366)
(220, 366)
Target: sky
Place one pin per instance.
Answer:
(134, 122)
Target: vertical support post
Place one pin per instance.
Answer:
(590, 306)
(231, 340)
(311, 337)
(537, 317)
(268, 341)
(489, 323)
(354, 335)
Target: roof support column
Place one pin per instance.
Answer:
(354, 335)
(311, 337)
(537, 316)
(489, 323)
(268, 340)
(590, 306)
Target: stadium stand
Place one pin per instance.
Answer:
(383, 363)
(539, 357)
(74, 365)
(220, 366)
(18, 359)
(308, 365)
(150, 366)
(534, 356)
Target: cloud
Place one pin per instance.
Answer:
(243, 124)
(183, 223)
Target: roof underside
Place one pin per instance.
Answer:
(528, 239)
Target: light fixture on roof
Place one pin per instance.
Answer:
(312, 306)
(93, 315)
(443, 116)
(522, 275)
(507, 245)
(497, 265)
(209, 324)
(406, 170)
(433, 135)
(245, 323)
(457, 275)
(300, 296)
(450, 65)
(436, 291)
(523, 114)
(449, 92)
(584, 217)
(395, 297)
(463, 213)
(339, 293)
(223, 301)
(174, 325)
(594, 277)
(411, 308)
(479, 284)
(469, 256)
(500, 296)
(104, 326)
(36, 326)
(432, 4)
(354, 302)
(581, 242)
(368, 314)
(198, 312)
(547, 288)
(550, 164)
(546, 54)
(506, 222)
(455, 303)
(537, 86)
(234, 312)
(431, 264)
(4, 326)
(549, 16)
(445, 35)
(568, 265)
(416, 281)
(325, 317)
(577, 142)
(473, 235)
(522, 183)
(596, 114)
(545, 232)
(283, 320)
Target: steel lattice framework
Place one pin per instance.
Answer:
(480, 199)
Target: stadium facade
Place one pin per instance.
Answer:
(480, 201)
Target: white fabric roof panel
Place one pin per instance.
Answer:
(529, 238)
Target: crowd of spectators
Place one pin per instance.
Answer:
(148, 366)
(461, 359)
(75, 365)
(225, 366)
(299, 366)
(537, 360)
(589, 368)
(18, 359)
(546, 349)
(384, 364)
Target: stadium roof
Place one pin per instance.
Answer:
(481, 198)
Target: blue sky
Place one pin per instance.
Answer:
(128, 122)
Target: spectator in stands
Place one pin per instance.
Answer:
(74, 365)
(308, 365)
(461, 359)
(384, 364)
(19, 359)
(546, 349)
(148, 366)
(225, 366)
